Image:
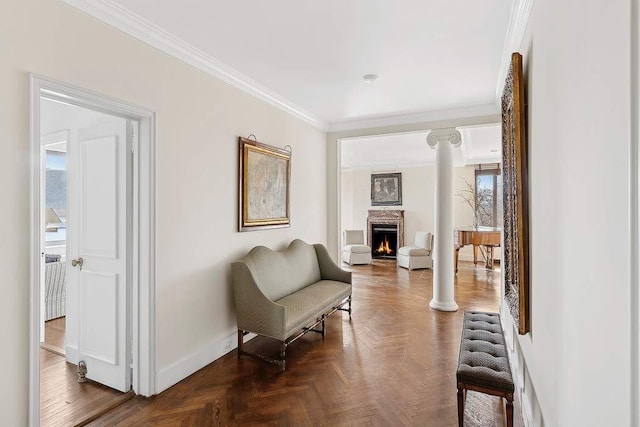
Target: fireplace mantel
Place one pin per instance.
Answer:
(387, 217)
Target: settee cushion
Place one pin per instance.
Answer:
(282, 273)
(356, 249)
(413, 251)
(304, 305)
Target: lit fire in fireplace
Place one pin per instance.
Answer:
(384, 247)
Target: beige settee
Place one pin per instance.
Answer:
(285, 294)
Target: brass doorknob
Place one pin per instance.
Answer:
(77, 262)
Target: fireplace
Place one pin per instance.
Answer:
(384, 241)
(385, 232)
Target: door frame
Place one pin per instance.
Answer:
(143, 252)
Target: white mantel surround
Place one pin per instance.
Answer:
(443, 141)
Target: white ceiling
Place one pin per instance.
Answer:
(480, 144)
(431, 55)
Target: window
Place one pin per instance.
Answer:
(55, 193)
(488, 195)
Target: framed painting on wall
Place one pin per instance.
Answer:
(386, 189)
(515, 198)
(263, 186)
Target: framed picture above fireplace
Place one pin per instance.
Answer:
(386, 189)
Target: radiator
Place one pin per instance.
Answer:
(55, 289)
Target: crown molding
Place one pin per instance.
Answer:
(126, 21)
(405, 119)
(518, 23)
(123, 19)
(384, 168)
(396, 167)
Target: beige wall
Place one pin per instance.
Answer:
(418, 196)
(198, 121)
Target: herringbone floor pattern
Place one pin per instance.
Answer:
(393, 363)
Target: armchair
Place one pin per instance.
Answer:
(419, 255)
(354, 250)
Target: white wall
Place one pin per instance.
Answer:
(418, 196)
(198, 121)
(346, 200)
(575, 363)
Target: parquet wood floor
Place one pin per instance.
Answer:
(63, 400)
(393, 363)
(54, 335)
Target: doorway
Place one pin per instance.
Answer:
(86, 206)
(92, 240)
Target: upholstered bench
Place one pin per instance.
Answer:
(483, 364)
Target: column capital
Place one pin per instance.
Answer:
(450, 135)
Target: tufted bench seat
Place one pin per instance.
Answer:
(483, 364)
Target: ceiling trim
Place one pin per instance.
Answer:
(135, 26)
(396, 167)
(518, 23)
(405, 119)
(381, 168)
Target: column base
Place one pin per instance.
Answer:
(443, 306)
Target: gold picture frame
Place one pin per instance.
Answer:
(264, 182)
(515, 197)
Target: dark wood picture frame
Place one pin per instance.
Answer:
(386, 189)
(264, 182)
(515, 197)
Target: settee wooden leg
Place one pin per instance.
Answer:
(460, 406)
(283, 351)
(240, 342)
(509, 410)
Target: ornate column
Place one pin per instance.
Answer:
(443, 141)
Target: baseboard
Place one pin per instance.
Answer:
(518, 367)
(176, 372)
(526, 412)
(52, 349)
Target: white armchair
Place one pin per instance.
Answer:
(419, 255)
(354, 250)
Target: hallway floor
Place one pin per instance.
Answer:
(392, 363)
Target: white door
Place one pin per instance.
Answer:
(99, 200)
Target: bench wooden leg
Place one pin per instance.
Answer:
(460, 406)
(509, 410)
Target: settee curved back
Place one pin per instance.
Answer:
(280, 273)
